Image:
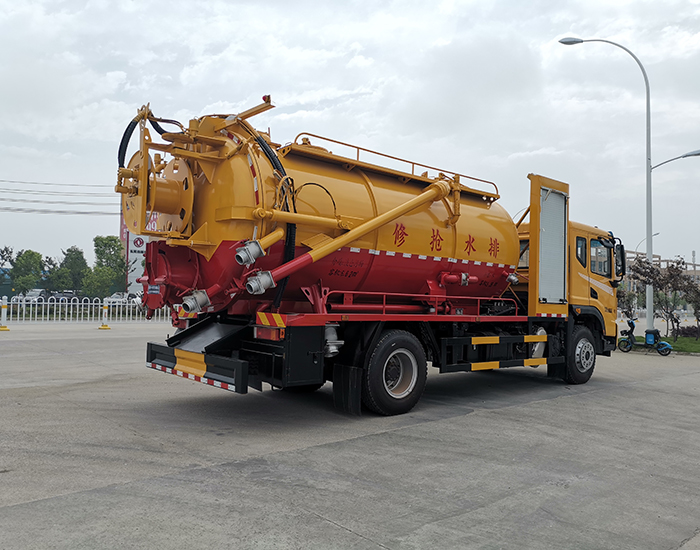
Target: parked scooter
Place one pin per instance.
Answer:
(652, 340)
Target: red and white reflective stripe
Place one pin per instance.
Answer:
(255, 179)
(202, 379)
(560, 315)
(393, 253)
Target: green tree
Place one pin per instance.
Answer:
(76, 268)
(669, 284)
(693, 297)
(98, 282)
(109, 254)
(56, 277)
(626, 299)
(26, 270)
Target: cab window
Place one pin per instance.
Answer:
(581, 254)
(524, 261)
(600, 259)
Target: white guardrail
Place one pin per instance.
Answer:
(75, 310)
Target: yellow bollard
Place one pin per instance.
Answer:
(104, 318)
(3, 318)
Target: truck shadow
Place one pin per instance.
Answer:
(445, 396)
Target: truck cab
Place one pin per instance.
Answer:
(596, 264)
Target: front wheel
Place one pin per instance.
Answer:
(581, 357)
(395, 374)
(624, 345)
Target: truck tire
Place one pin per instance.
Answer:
(395, 374)
(581, 357)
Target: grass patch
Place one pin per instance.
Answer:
(683, 344)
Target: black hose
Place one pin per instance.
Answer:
(290, 238)
(270, 154)
(157, 127)
(289, 245)
(121, 155)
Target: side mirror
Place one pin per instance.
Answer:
(620, 260)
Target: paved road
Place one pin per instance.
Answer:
(96, 451)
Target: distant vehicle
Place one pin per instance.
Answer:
(68, 295)
(119, 298)
(34, 295)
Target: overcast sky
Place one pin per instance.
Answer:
(478, 87)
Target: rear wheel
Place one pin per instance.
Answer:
(624, 345)
(666, 350)
(581, 357)
(395, 374)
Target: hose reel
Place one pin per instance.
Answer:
(158, 192)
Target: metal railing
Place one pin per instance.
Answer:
(75, 310)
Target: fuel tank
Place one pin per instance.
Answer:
(232, 208)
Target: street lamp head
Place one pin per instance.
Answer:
(691, 154)
(570, 41)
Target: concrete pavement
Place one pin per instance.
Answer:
(96, 451)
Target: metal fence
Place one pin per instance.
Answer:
(75, 310)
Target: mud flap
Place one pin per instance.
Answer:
(347, 389)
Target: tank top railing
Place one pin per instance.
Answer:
(412, 164)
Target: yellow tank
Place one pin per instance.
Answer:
(232, 208)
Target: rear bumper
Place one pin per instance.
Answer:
(228, 373)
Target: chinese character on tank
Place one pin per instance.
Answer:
(494, 247)
(436, 241)
(400, 234)
(470, 246)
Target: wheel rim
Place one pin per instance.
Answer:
(400, 373)
(585, 355)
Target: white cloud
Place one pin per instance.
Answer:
(478, 87)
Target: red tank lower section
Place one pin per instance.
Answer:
(174, 272)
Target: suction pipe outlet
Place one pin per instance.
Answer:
(195, 301)
(259, 283)
(252, 250)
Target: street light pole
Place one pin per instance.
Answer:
(640, 242)
(691, 154)
(650, 253)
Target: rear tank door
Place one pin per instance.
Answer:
(549, 222)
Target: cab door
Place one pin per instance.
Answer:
(579, 279)
(602, 293)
